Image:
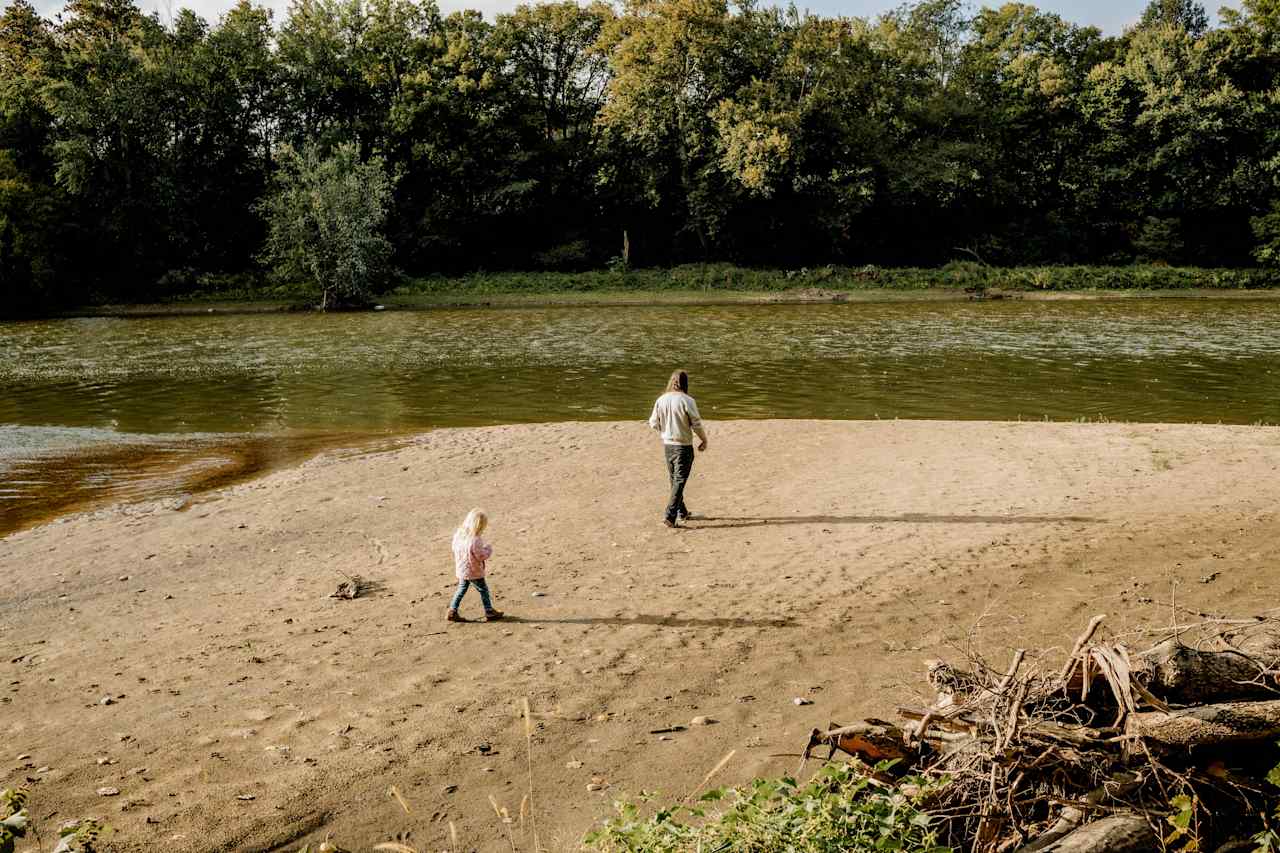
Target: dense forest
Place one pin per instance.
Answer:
(139, 155)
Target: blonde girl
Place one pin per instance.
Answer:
(470, 554)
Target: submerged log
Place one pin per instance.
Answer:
(1120, 833)
(1181, 674)
(1228, 722)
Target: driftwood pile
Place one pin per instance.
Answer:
(1115, 751)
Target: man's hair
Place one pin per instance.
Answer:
(679, 381)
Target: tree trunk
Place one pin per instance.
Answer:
(1121, 833)
(1228, 722)
(1181, 674)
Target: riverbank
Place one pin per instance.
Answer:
(249, 711)
(725, 284)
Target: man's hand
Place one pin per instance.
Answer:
(702, 446)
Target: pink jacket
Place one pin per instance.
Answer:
(469, 558)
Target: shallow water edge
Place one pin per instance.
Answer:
(608, 298)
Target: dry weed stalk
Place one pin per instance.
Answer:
(528, 739)
(711, 773)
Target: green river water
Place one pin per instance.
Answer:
(104, 409)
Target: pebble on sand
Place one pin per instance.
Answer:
(800, 700)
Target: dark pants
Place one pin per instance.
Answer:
(679, 466)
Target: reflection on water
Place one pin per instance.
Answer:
(194, 389)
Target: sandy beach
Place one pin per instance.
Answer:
(191, 659)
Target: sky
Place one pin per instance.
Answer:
(1111, 16)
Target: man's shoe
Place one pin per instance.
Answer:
(670, 522)
(686, 516)
(454, 617)
(493, 615)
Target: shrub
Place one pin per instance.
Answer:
(1268, 840)
(14, 823)
(574, 255)
(839, 809)
(964, 274)
(1266, 230)
(76, 836)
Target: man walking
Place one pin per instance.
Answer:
(675, 415)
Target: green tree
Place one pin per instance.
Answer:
(557, 85)
(325, 223)
(344, 64)
(469, 142)
(1171, 142)
(673, 62)
(557, 69)
(805, 145)
(228, 83)
(1027, 70)
(32, 209)
(1187, 15)
(111, 139)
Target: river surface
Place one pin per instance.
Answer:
(105, 409)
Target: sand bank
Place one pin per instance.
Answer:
(251, 712)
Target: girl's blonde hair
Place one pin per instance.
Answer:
(472, 526)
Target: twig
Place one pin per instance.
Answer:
(1080, 642)
(1015, 711)
(1012, 671)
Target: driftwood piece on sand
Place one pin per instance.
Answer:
(1185, 675)
(1226, 722)
(1119, 833)
(348, 589)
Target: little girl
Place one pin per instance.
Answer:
(469, 556)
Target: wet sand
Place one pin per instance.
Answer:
(249, 711)
(174, 468)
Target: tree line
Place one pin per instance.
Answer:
(141, 157)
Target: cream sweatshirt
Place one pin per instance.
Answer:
(675, 415)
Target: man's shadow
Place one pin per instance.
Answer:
(708, 522)
(660, 621)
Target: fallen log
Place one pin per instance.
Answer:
(1227, 722)
(871, 742)
(1185, 675)
(1119, 833)
(1073, 816)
